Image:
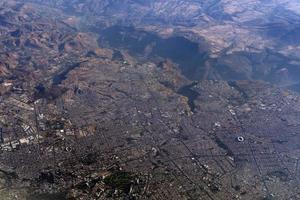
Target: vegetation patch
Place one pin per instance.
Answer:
(120, 180)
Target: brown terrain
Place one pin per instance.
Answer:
(164, 100)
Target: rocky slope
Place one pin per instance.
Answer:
(262, 35)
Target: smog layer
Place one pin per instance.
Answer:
(111, 99)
